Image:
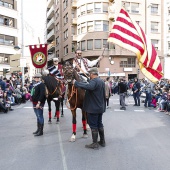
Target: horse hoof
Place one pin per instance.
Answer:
(73, 138)
(62, 115)
(87, 127)
(85, 136)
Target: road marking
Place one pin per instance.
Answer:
(61, 149)
(139, 110)
(118, 110)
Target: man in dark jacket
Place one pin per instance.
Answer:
(122, 90)
(95, 105)
(136, 92)
(38, 100)
(2, 84)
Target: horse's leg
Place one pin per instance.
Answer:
(84, 122)
(62, 112)
(73, 137)
(57, 106)
(87, 125)
(49, 110)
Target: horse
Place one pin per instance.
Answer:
(75, 98)
(53, 93)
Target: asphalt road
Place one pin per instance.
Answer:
(136, 139)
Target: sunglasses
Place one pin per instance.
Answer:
(79, 53)
(36, 77)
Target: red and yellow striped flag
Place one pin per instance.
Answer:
(128, 34)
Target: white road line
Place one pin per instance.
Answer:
(139, 110)
(61, 149)
(118, 110)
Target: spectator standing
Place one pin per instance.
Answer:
(136, 92)
(107, 91)
(122, 86)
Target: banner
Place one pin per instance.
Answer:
(128, 34)
(38, 55)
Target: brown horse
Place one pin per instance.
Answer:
(75, 98)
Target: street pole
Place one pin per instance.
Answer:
(22, 40)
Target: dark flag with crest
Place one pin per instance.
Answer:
(38, 55)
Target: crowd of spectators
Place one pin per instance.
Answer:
(12, 92)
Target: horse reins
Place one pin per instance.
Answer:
(73, 91)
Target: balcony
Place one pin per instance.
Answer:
(51, 46)
(50, 35)
(74, 21)
(50, 13)
(50, 3)
(9, 12)
(74, 4)
(51, 56)
(74, 37)
(6, 30)
(50, 24)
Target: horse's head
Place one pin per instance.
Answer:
(68, 71)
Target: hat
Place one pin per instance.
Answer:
(93, 70)
(55, 59)
(38, 75)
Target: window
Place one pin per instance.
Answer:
(90, 8)
(154, 26)
(7, 40)
(105, 7)
(105, 44)
(4, 58)
(97, 44)
(155, 43)
(57, 41)
(111, 46)
(65, 4)
(57, 13)
(83, 45)
(83, 27)
(78, 29)
(126, 5)
(89, 44)
(66, 50)
(73, 30)
(57, 27)
(90, 26)
(6, 21)
(135, 8)
(97, 7)
(98, 26)
(83, 9)
(66, 19)
(65, 34)
(127, 62)
(154, 9)
(57, 54)
(6, 4)
(169, 27)
(105, 25)
(168, 45)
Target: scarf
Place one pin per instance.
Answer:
(79, 64)
(33, 89)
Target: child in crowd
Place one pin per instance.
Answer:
(153, 102)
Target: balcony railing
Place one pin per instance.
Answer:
(6, 5)
(74, 37)
(50, 34)
(51, 10)
(50, 3)
(51, 22)
(74, 21)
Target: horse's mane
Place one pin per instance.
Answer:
(50, 82)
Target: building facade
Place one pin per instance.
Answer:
(8, 31)
(86, 25)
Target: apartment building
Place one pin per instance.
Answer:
(167, 39)
(8, 31)
(86, 25)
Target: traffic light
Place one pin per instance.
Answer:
(5, 71)
(25, 70)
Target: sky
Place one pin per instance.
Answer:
(34, 18)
